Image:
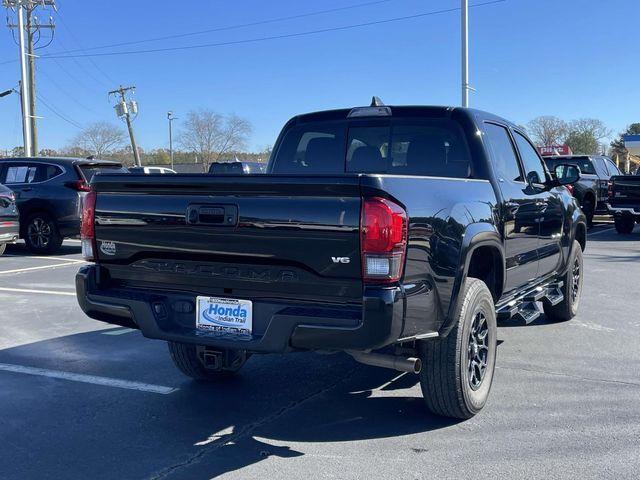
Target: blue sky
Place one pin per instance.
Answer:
(570, 58)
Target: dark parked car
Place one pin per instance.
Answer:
(48, 194)
(236, 168)
(624, 202)
(9, 221)
(374, 227)
(591, 189)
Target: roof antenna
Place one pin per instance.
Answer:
(376, 102)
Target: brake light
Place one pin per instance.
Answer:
(87, 226)
(383, 240)
(570, 188)
(79, 185)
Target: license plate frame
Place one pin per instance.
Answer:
(224, 315)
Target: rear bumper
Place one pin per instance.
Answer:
(627, 210)
(278, 326)
(9, 231)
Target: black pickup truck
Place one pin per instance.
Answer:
(624, 202)
(399, 235)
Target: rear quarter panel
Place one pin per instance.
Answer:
(440, 211)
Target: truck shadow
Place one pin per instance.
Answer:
(20, 250)
(201, 430)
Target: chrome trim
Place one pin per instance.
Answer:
(422, 336)
(621, 209)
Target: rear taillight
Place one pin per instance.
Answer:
(79, 185)
(383, 240)
(87, 226)
(570, 188)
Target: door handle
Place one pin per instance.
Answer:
(27, 189)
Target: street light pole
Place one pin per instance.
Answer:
(24, 86)
(171, 119)
(465, 52)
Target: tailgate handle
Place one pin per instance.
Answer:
(221, 215)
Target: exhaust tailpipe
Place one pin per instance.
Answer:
(402, 364)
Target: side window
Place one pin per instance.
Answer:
(613, 170)
(505, 160)
(601, 167)
(20, 174)
(46, 172)
(534, 170)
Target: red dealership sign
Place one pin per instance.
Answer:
(555, 150)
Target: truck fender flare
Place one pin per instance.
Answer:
(475, 236)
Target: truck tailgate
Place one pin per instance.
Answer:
(264, 236)
(626, 191)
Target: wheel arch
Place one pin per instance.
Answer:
(482, 255)
(31, 208)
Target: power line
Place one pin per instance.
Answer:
(66, 93)
(275, 37)
(268, 38)
(60, 115)
(233, 27)
(81, 49)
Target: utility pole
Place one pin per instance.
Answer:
(171, 118)
(24, 89)
(29, 27)
(124, 110)
(465, 52)
(32, 84)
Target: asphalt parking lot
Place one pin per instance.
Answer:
(79, 399)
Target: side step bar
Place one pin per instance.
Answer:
(528, 306)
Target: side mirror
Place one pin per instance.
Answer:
(567, 174)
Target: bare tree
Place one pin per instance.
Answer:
(585, 135)
(210, 135)
(99, 139)
(548, 130)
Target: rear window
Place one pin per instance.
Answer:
(90, 170)
(430, 148)
(584, 163)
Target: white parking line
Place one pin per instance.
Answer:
(601, 231)
(118, 331)
(45, 292)
(95, 380)
(43, 267)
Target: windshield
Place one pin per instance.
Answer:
(435, 147)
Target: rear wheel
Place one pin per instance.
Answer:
(624, 224)
(458, 369)
(203, 364)
(41, 234)
(571, 289)
(588, 208)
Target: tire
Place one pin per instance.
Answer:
(188, 358)
(589, 210)
(3, 248)
(624, 224)
(447, 386)
(571, 289)
(41, 234)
